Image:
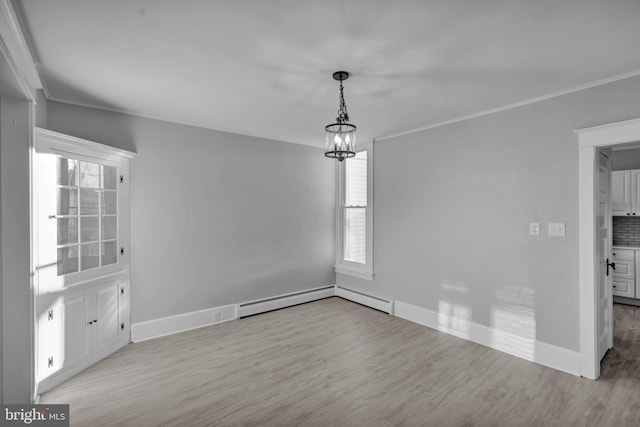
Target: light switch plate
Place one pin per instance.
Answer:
(556, 229)
(534, 229)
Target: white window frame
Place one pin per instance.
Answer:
(361, 271)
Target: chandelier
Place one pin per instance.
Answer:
(340, 139)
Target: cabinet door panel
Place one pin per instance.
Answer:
(624, 270)
(50, 337)
(623, 254)
(635, 192)
(624, 287)
(621, 192)
(106, 312)
(75, 323)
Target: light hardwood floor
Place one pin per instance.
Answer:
(333, 362)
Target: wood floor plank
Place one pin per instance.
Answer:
(333, 362)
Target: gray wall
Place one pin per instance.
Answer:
(453, 204)
(625, 159)
(216, 218)
(15, 131)
(40, 118)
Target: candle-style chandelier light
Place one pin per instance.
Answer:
(340, 139)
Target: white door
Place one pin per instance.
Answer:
(106, 316)
(604, 297)
(74, 328)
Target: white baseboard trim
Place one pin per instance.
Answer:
(536, 351)
(156, 328)
(545, 354)
(365, 299)
(250, 308)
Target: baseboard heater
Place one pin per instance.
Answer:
(378, 303)
(250, 308)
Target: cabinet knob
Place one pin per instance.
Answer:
(628, 213)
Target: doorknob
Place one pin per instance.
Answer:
(610, 264)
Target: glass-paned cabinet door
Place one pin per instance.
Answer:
(79, 214)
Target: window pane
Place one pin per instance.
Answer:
(109, 253)
(109, 202)
(67, 199)
(89, 200)
(67, 231)
(89, 229)
(356, 180)
(90, 256)
(66, 171)
(67, 260)
(89, 175)
(355, 235)
(109, 179)
(109, 227)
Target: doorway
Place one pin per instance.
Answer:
(591, 140)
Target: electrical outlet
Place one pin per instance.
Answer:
(556, 229)
(534, 229)
(216, 316)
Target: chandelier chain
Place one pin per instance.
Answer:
(343, 116)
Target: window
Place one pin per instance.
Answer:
(86, 215)
(354, 216)
(81, 203)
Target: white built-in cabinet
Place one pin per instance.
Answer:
(80, 327)
(625, 192)
(81, 254)
(624, 276)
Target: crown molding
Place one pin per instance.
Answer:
(15, 49)
(516, 104)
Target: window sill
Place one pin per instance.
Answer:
(360, 274)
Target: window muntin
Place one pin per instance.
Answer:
(87, 215)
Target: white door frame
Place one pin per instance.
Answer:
(589, 140)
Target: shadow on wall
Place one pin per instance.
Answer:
(512, 321)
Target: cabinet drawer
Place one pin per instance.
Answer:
(624, 269)
(624, 287)
(623, 254)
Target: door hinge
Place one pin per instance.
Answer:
(121, 179)
(122, 290)
(50, 362)
(122, 251)
(50, 315)
(122, 326)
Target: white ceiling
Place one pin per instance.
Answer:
(264, 68)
